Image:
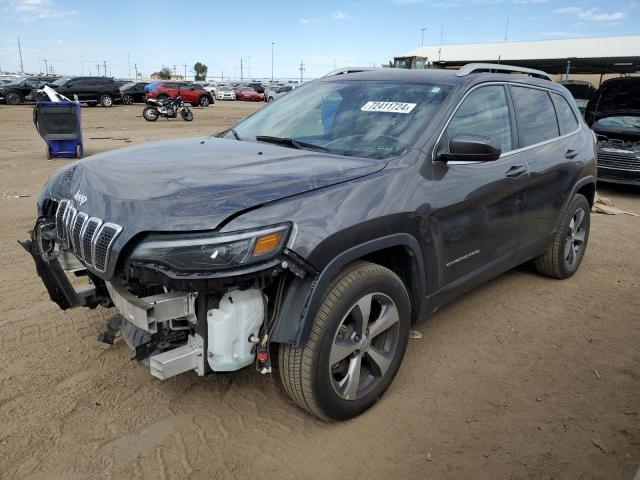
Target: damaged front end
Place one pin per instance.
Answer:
(203, 302)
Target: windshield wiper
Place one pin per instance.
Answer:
(290, 142)
(235, 134)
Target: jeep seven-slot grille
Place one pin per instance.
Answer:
(89, 238)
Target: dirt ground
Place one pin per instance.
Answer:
(525, 377)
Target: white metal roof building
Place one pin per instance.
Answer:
(582, 55)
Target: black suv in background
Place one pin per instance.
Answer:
(133, 92)
(90, 90)
(614, 115)
(17, 92)
(322, 227)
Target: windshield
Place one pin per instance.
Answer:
(377, 119)
(624, 121)
(128, 85)
(61, 81)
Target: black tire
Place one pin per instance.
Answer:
(13, 98)
(150, 114)
(270, 100)
(186, 114)
(204, 101)
(564, 255)
(306, 372)
(106, 100)
(127, 99)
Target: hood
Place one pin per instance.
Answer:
(195, 183)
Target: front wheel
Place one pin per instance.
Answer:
(564, 255)
(106, 100)
(186, 114)
(127, 99)
(13, 98)
(150, 114)
(357, 342)
(204, 101)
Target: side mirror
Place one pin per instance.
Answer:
(470, 148)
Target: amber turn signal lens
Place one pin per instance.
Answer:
(267, 243)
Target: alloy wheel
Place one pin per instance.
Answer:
(364, 346)
(574, 240)
(13, 98)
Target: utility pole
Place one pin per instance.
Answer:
(241, 71)
(221, 75)
(185, 69)
(302, 69)
(128, 66)
(46, 69)
(104, 67)
(135, 67)
(174, 69)
(422, 41)
(272, 44)
(20, 51)
(98, 67)
(441, 33)
(81, 66)
(249, 67)
(506, 31)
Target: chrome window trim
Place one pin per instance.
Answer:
(510, 152)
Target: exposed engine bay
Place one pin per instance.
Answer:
(172, 325)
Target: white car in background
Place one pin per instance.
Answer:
(225, 92)
(283, 90)
(211, 87)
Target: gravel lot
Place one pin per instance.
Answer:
(525, 377)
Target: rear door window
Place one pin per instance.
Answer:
(484, 112)
(536, 116)
(566, 116)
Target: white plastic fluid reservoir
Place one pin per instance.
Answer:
(230, 326)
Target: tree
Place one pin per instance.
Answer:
(201, 71)
(165, 73)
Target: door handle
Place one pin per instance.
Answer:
(516, 171)
(570, 154)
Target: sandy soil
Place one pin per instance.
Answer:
(524, 377)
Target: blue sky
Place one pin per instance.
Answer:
(321, 34)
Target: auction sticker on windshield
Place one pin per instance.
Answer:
(391, 107)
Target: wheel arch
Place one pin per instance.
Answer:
(400, 253)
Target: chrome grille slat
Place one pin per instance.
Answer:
(89, 238)
(620, 160)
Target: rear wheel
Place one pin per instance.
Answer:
(127, 99)
(357, 342)
(106, 100)
(204, 101)
(13, 98)
(564, 255)
(150, 114)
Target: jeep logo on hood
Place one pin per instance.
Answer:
(79, 198)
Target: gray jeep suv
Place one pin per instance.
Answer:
(313, 234)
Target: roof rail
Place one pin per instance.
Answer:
(496, 67)
(345, 70)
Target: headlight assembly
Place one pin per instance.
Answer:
(202, 252)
